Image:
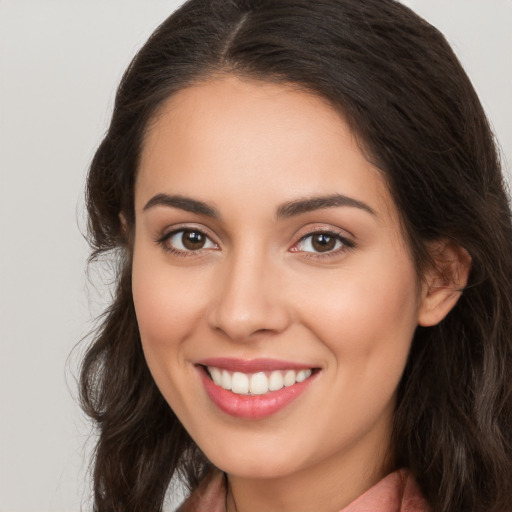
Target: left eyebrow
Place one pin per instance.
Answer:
(182, 203)
(310, 204)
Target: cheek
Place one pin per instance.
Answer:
(167, 309)
(367, 326)
(167, 304)
(367, 320)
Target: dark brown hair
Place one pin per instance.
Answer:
(405, 95)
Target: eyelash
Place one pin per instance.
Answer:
(346, 245)
(164, 239)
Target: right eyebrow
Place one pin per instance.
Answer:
(182, 203)
(310, 204)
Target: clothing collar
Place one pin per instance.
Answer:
(397, 492)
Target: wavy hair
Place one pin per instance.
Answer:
(404, 93)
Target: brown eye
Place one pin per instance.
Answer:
(323, 242)
(193, 240)
(188, 240)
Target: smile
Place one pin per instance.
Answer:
(256, 383)
(254, 389)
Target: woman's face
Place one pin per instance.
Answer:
(268, 256)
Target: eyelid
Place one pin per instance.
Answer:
(341, 235)
(170, 231)
(303, 234)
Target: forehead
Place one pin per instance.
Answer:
(209, 111)
(232, 138)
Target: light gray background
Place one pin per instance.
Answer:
(60, 62)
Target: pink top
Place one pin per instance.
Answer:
(397, 492)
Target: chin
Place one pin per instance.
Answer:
(242, 467)
(254, 462)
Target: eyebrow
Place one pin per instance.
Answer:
(183, 203)
(285, 211)
(310, 204)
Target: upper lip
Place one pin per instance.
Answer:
(252, 365)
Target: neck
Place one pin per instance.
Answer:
(333, 483)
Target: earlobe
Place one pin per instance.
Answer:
(444, 282)
(125, 230)
(124, 224)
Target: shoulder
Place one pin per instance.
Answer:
(397, 492)
(412, 498)
(210, 495)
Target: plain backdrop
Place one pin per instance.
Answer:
(60, 62)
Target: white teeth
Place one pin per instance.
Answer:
(216, 376)
(256, 383)
(303, 375)
(289, 378)
(226, 380)
(275, 382)
(240, 383)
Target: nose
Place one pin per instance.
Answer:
(248, 300)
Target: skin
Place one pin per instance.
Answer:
(256, 290)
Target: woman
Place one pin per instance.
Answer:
(313, 306)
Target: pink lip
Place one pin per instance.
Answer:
(252, 365)
(252, 406)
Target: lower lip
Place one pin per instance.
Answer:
(253, 406)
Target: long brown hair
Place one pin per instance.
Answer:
(405, 95)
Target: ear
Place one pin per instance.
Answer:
(124, 223)
(444, 281)
(125, 231)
